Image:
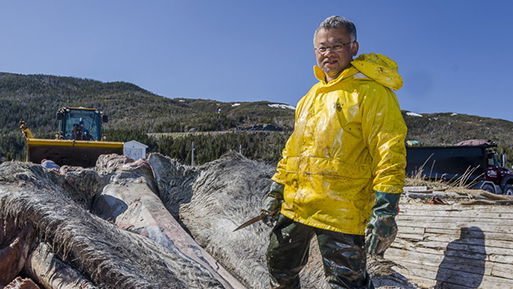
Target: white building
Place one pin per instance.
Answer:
(134, 149)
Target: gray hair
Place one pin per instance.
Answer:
(337, 22)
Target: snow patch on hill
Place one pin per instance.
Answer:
(282, 106)
(413, 114)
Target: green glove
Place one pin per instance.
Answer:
(272, 203)
(382, 227)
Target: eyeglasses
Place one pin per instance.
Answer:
(334, 48)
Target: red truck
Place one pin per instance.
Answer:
(472, 161)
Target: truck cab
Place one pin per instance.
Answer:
(499, 175)
(470, 161)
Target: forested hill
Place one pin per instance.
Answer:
(36, 99)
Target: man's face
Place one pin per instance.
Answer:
(334, 62)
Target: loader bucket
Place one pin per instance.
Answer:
(70, 152)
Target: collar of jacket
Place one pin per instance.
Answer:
(319, 74)
(379, 67)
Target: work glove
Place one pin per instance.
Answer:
(271, 204)
(382, 228)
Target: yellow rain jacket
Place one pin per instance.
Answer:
(348, 141)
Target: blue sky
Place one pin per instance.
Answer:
(454, 56)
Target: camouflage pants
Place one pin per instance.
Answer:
(343, 255)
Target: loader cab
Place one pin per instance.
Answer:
(80, 124)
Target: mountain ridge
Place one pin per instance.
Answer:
(35, 98)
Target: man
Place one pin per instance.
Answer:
(342, 167)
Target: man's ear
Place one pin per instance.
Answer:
(354, 48)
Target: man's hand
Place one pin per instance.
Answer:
(382, 232)
(382, 228)
(272, 203)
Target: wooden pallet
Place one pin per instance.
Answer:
(454, 246)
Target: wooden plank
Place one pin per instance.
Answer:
(466, 266)
(405, 244)
(454, 277)
(455, 246)
(457, 210)
(500, 258)
(411, 237)
(506, 242)
(496, 218)
(424, 272)
(435, 257)
(473, 281)
(504, 270)
(422, 259)
(430, 263)
(418, 230)
(485, 214)
(468, 246)
(480, 249)
(456, 233)
(490, 211)
(414, 260)
(486, 227)
(427, 276)
(497, 255)
(426, 207)
(422, 283)
(436, 222)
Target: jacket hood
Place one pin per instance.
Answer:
(380, 68)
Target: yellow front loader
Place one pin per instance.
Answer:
(78, 140)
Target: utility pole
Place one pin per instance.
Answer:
(192, 155)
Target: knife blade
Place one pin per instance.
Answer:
(251, 221)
